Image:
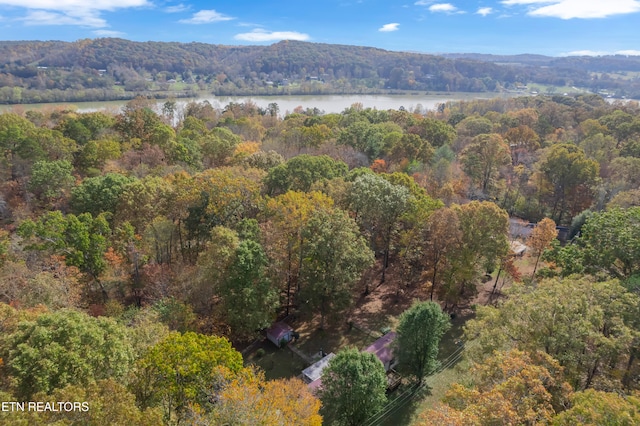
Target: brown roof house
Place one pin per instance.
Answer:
(383, 350)
(280, 334)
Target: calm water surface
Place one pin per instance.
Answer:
(326, 103)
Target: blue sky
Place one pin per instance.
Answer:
(549, 27)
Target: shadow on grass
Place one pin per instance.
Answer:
(312, 340)
(401, 411)
(276, 363)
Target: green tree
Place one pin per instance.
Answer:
(216, 197)
(596, 408)
(435, 132)
(418, 342)
(608, 243)
(567, 180)
(378, 206)
(175, 314)
(14, 135)
(248, 298)
(218, 145)
(53, 145)
(611, 242)
(484, 227)
(264, 160)
(139, 121)
(585, 325)
(300, 172)
(179, 370)
(109, 403)
(412, 148)
(99, 194)
(334, 257)
(95, 154)
(141, 200)
(85, 127)
(214, 264)
(65, 347)
(372, 139)
(288, 213)
(82, 240)
(50, 179)
(483, 157)
(353, 388)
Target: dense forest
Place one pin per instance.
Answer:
(143, 253)
(113, 69)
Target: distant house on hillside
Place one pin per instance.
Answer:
(381, 348)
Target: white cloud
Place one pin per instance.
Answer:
(386, 28)
(484, 11)
(424, 2)
(84, 13)
(628, 52)
(584, 53)
(42, 17)
(443, 7)
(206, 17)
(580, 9)
(108, 33)
(68, 5)
(602, 53)
(259, 34)
(177, 8)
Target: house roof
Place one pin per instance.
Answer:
(314, 371)
(382, 347)
(279, 330)
(315, 385)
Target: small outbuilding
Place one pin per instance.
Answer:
(518, 248)
(382, 349)
(280, 334)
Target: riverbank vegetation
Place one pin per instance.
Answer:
(140, 251)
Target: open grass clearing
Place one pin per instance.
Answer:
(276, 363)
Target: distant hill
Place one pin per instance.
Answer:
(112, 68)
(607, 63)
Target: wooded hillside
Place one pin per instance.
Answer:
(109, 68)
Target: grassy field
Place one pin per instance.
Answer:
(276, 363)
(332, 340)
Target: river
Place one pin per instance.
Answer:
(326, 103)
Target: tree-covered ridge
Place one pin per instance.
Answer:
(139, 248)
(111, 68)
